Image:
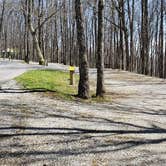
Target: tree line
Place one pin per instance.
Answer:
(119, 34)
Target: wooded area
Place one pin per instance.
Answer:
(134, 33)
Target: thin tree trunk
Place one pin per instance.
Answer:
(2, 16)
(100, 90)
(144, 39)
(161, 42)
(127, 60)
(33, 32)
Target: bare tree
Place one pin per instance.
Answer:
(131, 12)
(33, 32)
(161, 41)
(144, 38)
(2, 16)
(100, 51)
(83, 87)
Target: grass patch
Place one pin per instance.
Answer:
(58, 83)
(50, 80)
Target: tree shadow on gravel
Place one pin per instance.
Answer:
(127, 109)
(35, 90)
(79, 134)
(33, 131)
(97, 141)
(97, 149)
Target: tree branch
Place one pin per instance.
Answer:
(47, 18)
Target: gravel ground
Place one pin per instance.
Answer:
(37, 130)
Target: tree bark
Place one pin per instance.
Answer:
(34, 35)
(125, 36)
(83, 87)
(2, 16)
(161, 42)
(100, 52)
(131, 13)
(144, 38)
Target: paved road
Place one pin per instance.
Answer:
(38, 130)
(9, 70)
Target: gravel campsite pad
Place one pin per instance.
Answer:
(39, 130)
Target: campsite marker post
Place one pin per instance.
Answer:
(72, 70)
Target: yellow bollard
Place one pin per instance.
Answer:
(72, 70)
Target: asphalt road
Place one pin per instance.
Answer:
(11, 69)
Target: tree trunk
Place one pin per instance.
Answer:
(100, 52)
(2, 15)
(83, 87)
(161, 42)
(34, 35)
(144, 38)
(125, 36)
(131, 24)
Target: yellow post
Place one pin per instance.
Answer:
(72, 70)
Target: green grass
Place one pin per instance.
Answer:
(50, 80)
(56, 83)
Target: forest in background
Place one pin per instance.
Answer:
(134, 33)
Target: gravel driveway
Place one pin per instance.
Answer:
(36, 130)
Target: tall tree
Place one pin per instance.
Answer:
(34, 34)
(26, 34)
(125, 30)
(161, 41)
(144, 38)
(83, 87)
(2, 16)
(131, 13)
(100, 90)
